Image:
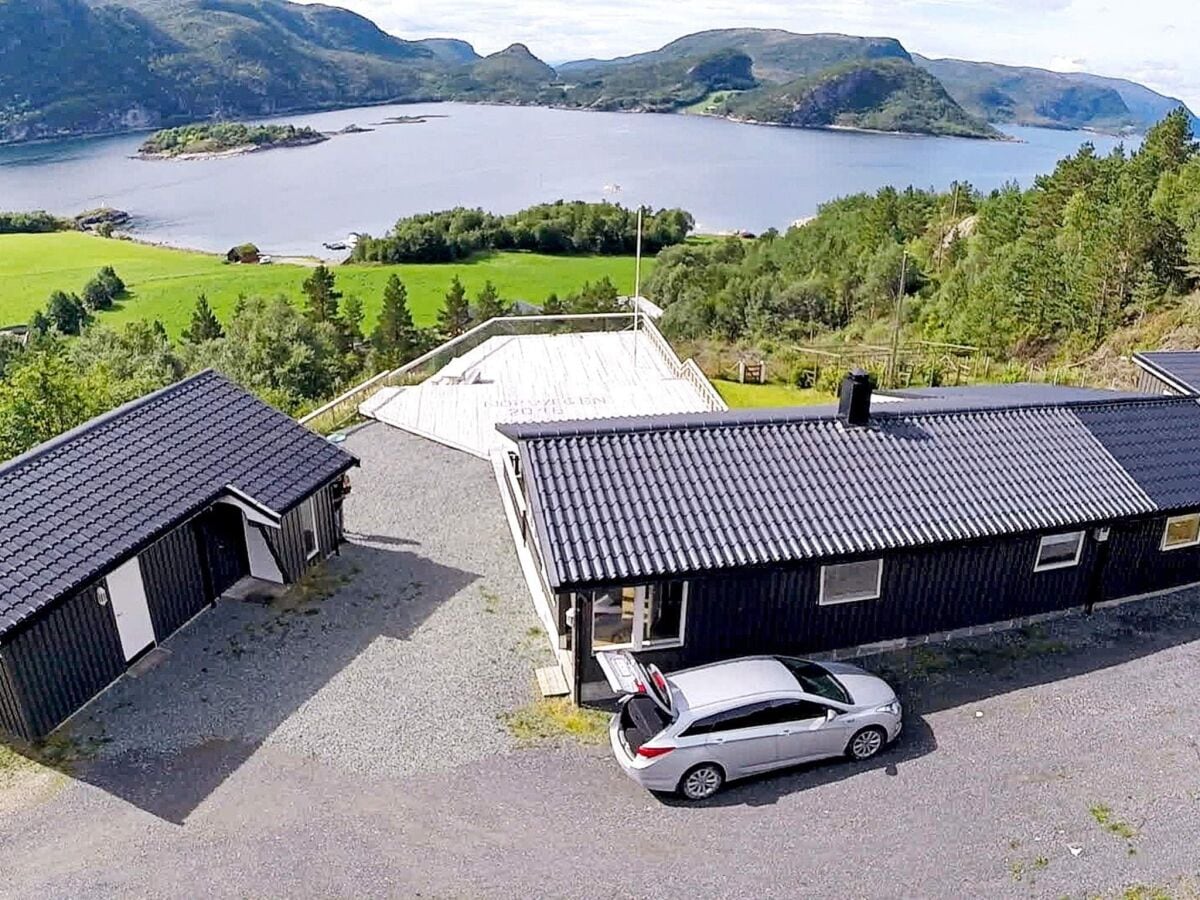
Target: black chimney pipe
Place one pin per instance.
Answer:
(854, 405)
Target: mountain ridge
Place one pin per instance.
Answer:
(74, 67)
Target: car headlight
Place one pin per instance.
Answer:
(892, 709)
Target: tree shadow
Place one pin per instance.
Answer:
(165, 740)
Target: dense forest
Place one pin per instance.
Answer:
(556, 228)
(1038, 273)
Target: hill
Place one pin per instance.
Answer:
(778, 56)
(514, 75)
(1029, 96)
(662, 85)
(75, 67)
(884, 95)
(70, 67)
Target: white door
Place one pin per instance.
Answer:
(127, 594)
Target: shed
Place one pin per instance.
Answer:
(698, 537)
(1168, 371)
(117, 533)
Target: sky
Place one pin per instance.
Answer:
(1148, 41)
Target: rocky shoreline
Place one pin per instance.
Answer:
(242, 150)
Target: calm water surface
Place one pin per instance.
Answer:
(502, 158)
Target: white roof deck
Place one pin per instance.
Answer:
(537, 378)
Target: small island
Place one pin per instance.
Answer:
(217, 139)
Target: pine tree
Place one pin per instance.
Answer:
(205, 325)
(351, 319)
(455, 316)
(322, 297)
(488, 304)
(395, 338)
(67, 313)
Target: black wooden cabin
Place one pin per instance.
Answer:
(921, 515)
(118, 533)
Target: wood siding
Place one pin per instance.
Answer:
(1138, 564)
(63, 660)
(1148, 383)
(287, 542)
(12, 706)
(926, 591)
(172, 570)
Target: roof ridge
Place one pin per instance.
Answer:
(801, 415)
(37, 452)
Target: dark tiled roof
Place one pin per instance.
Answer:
(74, 506)
(631, 499)
(1020, 394)
(1178, 368)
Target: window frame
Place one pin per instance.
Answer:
(1165, 547)
(638, 626)
(1080, 539)
(311, 506)
(822, 600)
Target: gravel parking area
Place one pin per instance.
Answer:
(427, 636)
(352, 747)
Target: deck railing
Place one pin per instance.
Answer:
(344, 408)
(689, 371)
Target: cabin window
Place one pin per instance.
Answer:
(1059, 551)
(308, 523)
(1181, 531)
(851, 582)
(639, 617)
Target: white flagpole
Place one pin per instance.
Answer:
(637, 286)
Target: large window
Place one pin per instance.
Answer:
(851, 582)
(755, 715)
(1181, 531)
(639, 616)
(1059, 551)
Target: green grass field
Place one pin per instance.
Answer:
(163, 284)
(766, 395)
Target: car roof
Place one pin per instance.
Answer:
(725, 681)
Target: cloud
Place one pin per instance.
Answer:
(1068, 64)
(1102, 37)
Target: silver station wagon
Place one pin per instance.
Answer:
(696, 729)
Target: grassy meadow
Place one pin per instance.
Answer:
(740, 395)
(164, 283)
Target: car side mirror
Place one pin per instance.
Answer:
(830, 715)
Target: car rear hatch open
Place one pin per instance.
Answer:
(626, 675)
(647, 707)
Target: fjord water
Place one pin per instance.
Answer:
(501, 158)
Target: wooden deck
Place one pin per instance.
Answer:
(538, 378)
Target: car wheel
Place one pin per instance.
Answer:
(866, 743)
(702, 781)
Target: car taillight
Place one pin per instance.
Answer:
(653, 752)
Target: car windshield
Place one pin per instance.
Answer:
(815, 680)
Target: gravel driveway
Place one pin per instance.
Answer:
(328, 751)
(426, 638)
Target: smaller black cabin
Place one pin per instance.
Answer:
(116, 534)
(920, 515)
